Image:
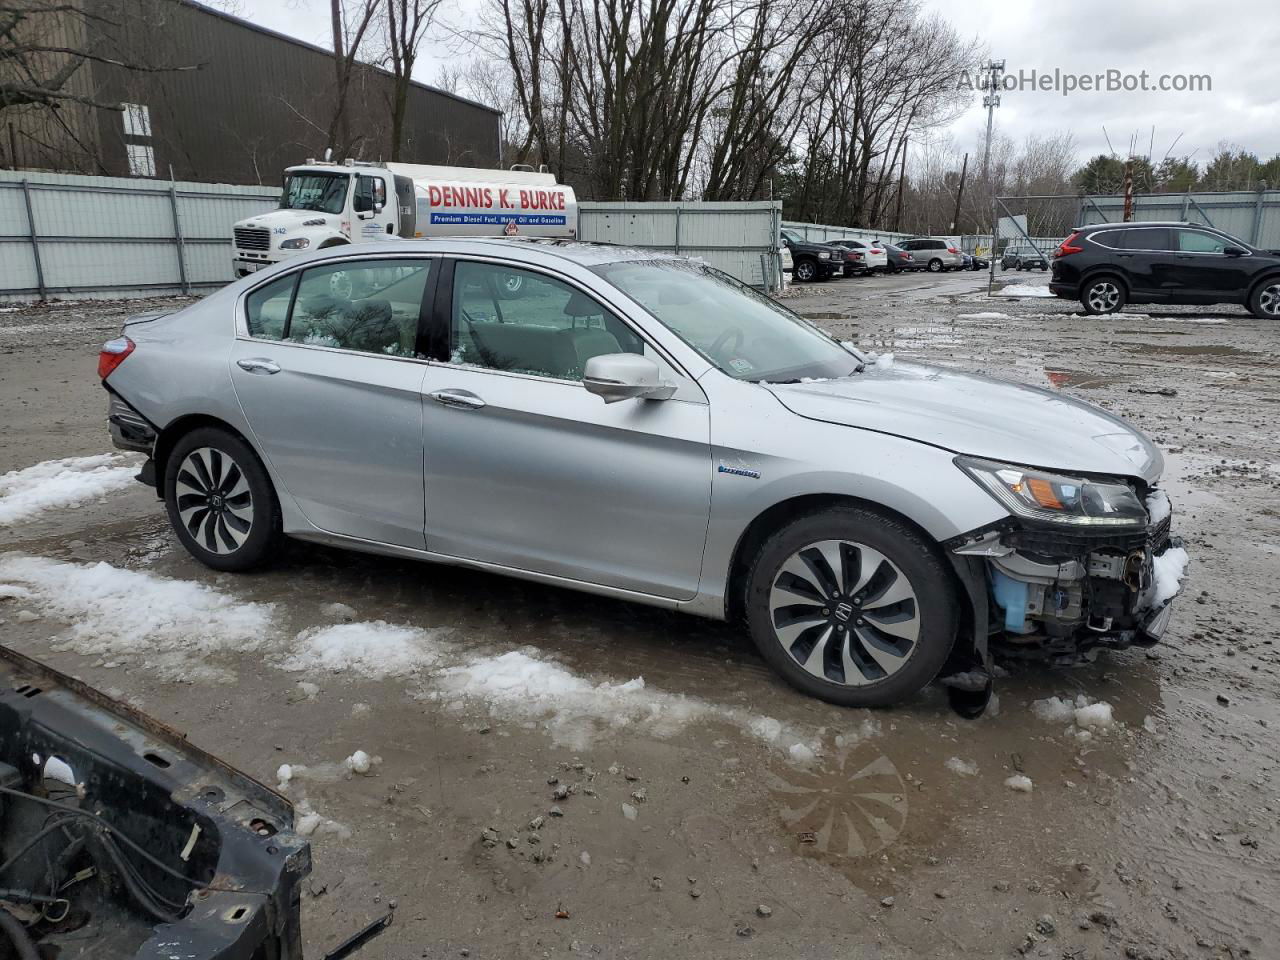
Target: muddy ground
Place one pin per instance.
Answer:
(1155, 839)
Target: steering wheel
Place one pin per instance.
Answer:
(722, 341)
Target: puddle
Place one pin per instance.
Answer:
(1191, 350)
(1080, 379)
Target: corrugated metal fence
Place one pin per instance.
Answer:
(77, 236)
(740, 238)
(1253, 216)
(98, 237)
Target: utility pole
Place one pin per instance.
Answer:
(992, 100)
(964, 171)
(1128, 190)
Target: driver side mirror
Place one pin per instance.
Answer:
(624, 376)
(1232, 251)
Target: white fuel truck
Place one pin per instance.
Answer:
(325, 204)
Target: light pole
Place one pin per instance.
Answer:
(992, 100)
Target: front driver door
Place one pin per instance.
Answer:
(526, 469)
(326, 370)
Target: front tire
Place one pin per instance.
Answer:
(1264, 302)
(220, 500)
(852, 606)
(806, 271)
(1102, 295)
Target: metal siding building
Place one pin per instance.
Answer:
(258, 102)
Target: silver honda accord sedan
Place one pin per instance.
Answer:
(645, 427)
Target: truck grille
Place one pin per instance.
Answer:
(253, 238)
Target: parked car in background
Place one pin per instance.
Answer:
(1108, 265)
(1023, 258)
(966, 261)
(980, 263)
(644, 427)
(787, 260)
(874, 257)
(898, 260)
(935, 253)
(812, 261)
(855, 257)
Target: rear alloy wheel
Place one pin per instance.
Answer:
(935, 265)
(1103, 295)
(852, 607)
(805, 271)
(1264, 302)
(220, 500)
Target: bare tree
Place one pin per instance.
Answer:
(350, 20)
(406, 23)
(44, 44)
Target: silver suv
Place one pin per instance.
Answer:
(936, 253)
(644, 427)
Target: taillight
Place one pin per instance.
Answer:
(1068, 247)
(112, 355)
(952, 250)
(874, 250)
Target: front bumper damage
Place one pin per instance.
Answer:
(123, 840)
(1039, 591)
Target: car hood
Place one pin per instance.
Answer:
(286, 218)
(979, 416)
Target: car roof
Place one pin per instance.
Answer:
(1149, 223)
(583, 252)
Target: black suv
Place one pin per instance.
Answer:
(812, 261)
(1107, 265)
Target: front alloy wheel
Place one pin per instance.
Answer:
(852, 605)
(805, 270)
(1265, 301)
(844, 612)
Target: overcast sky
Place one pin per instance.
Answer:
(1234, 43)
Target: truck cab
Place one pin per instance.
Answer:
(324, 204)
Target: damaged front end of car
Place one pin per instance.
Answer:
(1082, 563)
(120, 839)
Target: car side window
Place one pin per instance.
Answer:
(1195, 241)
(267, 308)
(1146, 238)
(371, 306)
(519, 321)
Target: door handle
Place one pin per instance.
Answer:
(459, 399)
(258, 365)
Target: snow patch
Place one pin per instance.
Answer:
(985, 315)
(1020, 783)
(375, 650)
(1025, 290)
(361, 763)
(339, 611)
(1096, 716)
(965, 768)
(125, 615)
(1158, 506)
(62, 483)
(1054, 710)
(1169, 569)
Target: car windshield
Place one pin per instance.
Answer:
(743, 333)
(322, 192)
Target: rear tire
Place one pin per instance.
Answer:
(1102, 295)
(935, 265)
(1264, 302)
(220, 500)
(890, 610)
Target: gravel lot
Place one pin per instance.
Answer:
(560, 809)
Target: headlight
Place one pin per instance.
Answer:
(297, 243)
(1054, 498)
(823, 255)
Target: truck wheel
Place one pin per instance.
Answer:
(852, 606)
(805, 270)
(509, 287)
